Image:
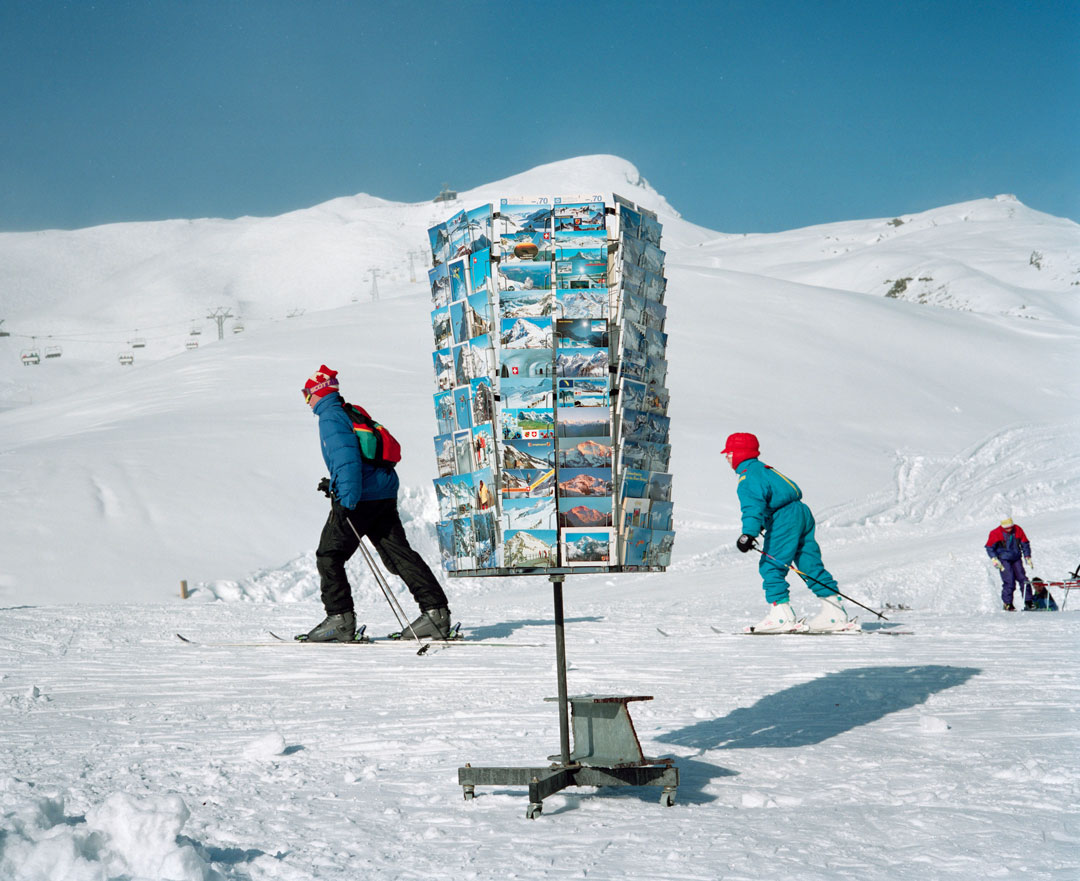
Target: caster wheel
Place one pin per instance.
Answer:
(667, 799)
(533, 810)
(469, 792)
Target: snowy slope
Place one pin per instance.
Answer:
(913, 427)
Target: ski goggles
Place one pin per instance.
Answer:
(309, 391)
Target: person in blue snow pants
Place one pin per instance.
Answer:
(772, 503)
(1005, 546)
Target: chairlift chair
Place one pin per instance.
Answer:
(137, 343)
(195, 330)
(31, 356)
(191, 344)
(238, 328)
(53, 351)
(126, 358)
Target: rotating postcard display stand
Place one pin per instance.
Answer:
(552, 444)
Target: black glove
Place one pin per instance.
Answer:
(745, 542)
(324, 486)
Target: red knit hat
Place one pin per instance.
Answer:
(322, 382)
(742, 446)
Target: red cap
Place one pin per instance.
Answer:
(742, 446)
(322, 382)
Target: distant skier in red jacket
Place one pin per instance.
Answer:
(1005, 546)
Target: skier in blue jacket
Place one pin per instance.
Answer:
(363, 501)
(772, 503)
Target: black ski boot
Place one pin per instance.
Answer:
(432, 624)
(334, 628)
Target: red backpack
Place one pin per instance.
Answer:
(377, 445)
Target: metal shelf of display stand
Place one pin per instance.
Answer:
(607, 749)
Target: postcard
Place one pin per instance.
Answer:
(483, 446)
(530, 548)
(581, 333)
(527, 362)
(526, 303)
(660, 551)
(655, 370)
(629, 222)
(528, 246)
(531, 424)
(633, 308)
(577, 239)
(653, 286)
(583, 302)
(659, 486)
(525, 333)
(582, 363)
(445, 455)
(445, 419)
(486, 534)
(584, 452)
(440, 285)
(655, 343)
(463, 407)
(591, 392)
(656, 399)
(459, 278)
(632, 252)
(463, 495)
(577, 482)
(635, 484)
(464, 543)
(573, 422)
(635, 548)
(521, 483)
(484, 485)
(480, 269)
(522, 512)
(524, 216)
(526, 391)
(655, 315)
(633, 365)
(632, 279)
(440, 243)
(653, 259)
(650, 227)
(483, 400)
(463, 451)
(529, 454)
(588, 512)
(444, 495)
(473, 359)
(444, 531)
(440, 326)
(632, 394)
(569, 216)
(479, 223)
(581, 268)
(524, 276)
(635, 425)
(587, 547)
(661, 516)
(632, 337)
(635, 514)
(443, 361)
(480, 314)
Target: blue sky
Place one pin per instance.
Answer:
(748, 117)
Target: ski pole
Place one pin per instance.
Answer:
(385, 587)
(806, 577)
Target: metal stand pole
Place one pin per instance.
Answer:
(560, 666)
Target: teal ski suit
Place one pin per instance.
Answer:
(773, 503)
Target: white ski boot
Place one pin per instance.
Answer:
(781, 619)
(832, 617)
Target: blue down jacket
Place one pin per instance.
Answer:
(352, 480)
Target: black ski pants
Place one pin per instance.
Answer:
(379, 521)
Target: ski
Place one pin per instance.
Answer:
(277, 641)
(853, 632)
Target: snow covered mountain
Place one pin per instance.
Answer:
(873, 402)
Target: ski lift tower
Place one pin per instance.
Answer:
(553, 397)
(375, 273)
(219, 315)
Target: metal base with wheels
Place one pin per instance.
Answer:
(607, 751)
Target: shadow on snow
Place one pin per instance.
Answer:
(822, 708)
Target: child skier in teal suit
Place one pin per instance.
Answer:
(773, 503)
